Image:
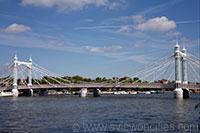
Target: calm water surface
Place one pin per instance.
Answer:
(127, 113)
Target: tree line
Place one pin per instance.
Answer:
(80, 79)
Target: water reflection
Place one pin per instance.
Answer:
(180, 109)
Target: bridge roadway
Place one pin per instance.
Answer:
(170, 86)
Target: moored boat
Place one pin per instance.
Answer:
(120, 92)
(153, 92)
(147, 92)
(6, 94)
(133, 92)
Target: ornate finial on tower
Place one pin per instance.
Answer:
(184, 49)
(177, 45)
(15, 57)
(177, 48)
(30, 59)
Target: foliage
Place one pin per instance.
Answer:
(80, 79)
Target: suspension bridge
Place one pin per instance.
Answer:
(181, 71)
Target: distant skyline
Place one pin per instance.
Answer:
(97, 37)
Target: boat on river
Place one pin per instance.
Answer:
(133, 92)
(121, 93)
(6, 94)
(147, 92)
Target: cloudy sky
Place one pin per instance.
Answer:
(96, 37)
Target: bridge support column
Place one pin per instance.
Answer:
(15, 92)
(30, 72)
(186, 92)
(83, 92)
(178, 92)
(31, 92)
(30, 76)
(96, 93)
(15, 73)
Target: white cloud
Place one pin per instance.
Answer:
(157, 24)
(138, 18)
(113, 48)
(114, 5)
(97, 27)
(70, 5)
(125, 28)
(16, 28)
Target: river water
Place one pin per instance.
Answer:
(116, 113)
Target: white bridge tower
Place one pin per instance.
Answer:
(17, 63)
(180, 72)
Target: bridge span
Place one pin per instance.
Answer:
(159, 86)
(27, 75)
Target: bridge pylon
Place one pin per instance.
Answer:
(184, 73)
(180, 72)
(15, 74)
(17, 63)
(29, 66)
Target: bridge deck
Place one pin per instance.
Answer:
(107, 85)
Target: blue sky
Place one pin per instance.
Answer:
(96, 37)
